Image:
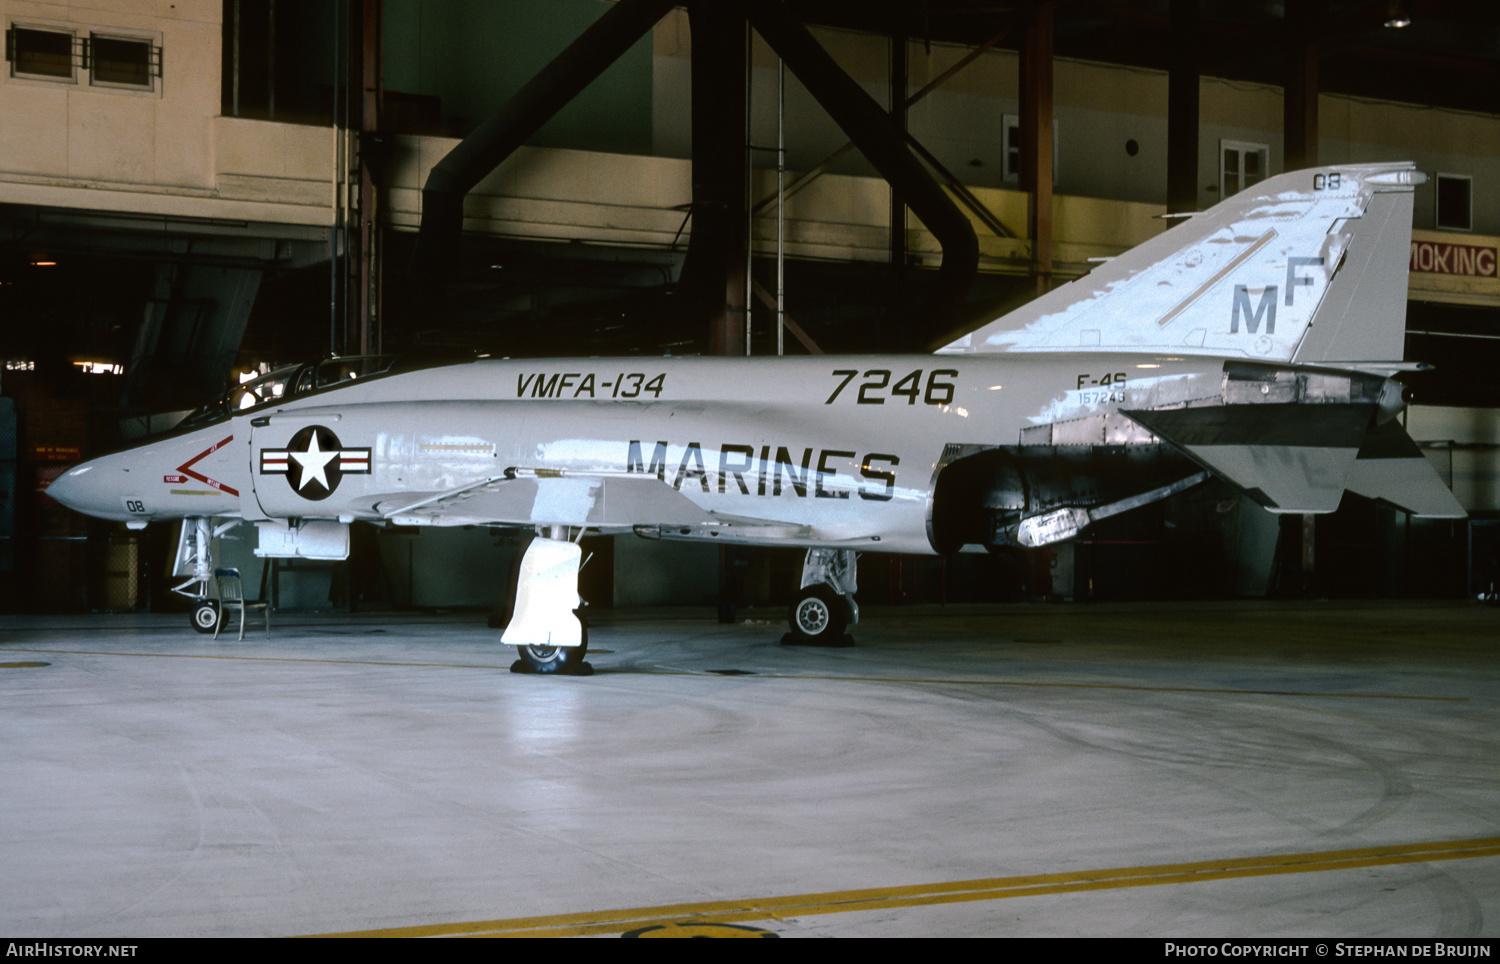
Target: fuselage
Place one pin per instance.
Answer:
(846, 448)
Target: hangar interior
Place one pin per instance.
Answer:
(197, 192)
(194, 192)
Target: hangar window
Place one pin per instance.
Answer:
(1455, 202)
(1012, 149)
(1242, 165)
(102, 60)
(123, 62)
(43, 54)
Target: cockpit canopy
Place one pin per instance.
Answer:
(290, 382)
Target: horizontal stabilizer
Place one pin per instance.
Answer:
(1288, 458)
(1391, 469)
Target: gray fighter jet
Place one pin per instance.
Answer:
(1254, 342)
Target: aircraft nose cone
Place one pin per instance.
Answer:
(83, 489)
(65, 489)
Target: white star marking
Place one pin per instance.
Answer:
(314, 462)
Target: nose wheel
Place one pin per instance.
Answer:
(205, 615)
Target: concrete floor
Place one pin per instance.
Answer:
(1007, 770)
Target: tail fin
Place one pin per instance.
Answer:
(1309, 266)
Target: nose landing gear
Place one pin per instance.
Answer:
(205, 615)
(195, 561)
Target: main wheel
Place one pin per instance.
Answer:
(819, 615)
(554, 659)
(205, 615)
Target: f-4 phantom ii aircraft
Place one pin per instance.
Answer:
(1254, 342)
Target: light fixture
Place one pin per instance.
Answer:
(91, 367)
(1396, 16)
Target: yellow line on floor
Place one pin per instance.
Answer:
(932, 681)
(995, 888)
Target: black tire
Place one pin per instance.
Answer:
(204, 615)
(554, 659)
(819, 615)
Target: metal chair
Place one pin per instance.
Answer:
(231, 589)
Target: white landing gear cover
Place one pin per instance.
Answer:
(546, 595)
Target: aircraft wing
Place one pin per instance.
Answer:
(624, 502)
(548, 497)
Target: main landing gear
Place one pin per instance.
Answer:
(553, 659)
(545, 628)
(825, 607)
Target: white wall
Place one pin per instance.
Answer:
(144, 139)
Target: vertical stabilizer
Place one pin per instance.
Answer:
(1363, 316)
(1305, 266)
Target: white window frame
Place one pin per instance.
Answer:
(1241, 148)
(1012, 172)
(82, 37)
(68, 30)
(153, 44)
(1437, 206)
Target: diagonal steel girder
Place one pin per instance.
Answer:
(868, 124)
(499, 135)
(965, 197)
